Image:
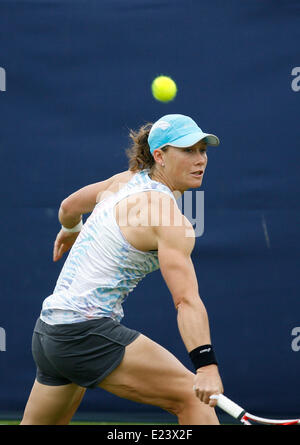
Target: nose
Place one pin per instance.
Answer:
(201, 157)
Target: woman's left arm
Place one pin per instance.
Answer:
(79, 203)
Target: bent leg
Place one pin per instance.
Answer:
(52, 405)
(150, 374)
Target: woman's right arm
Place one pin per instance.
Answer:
(174, 252)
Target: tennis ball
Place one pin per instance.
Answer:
(164, 88)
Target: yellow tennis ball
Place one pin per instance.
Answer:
(164, 88)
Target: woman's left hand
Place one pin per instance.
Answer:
(64, 241)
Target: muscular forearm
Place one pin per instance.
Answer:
(193, 323)
(194, 329)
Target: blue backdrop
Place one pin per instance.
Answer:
(78, 76)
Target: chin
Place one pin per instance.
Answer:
(197, 183)
(186, 185)
(194, 185)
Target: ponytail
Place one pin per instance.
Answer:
(139, 152)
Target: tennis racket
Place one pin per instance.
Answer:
(246, 418)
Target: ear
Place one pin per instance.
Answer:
(158, 156)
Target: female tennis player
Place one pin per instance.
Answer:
(135, 227)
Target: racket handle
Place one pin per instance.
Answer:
(229, 406)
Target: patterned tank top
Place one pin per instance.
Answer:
(102, 268)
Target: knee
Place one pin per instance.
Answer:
(179, 406)
(183, 399)
(187, 403)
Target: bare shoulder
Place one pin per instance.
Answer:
(123, 176)
(171, 227)
(164, 206)
(113, 184)
(120, 179)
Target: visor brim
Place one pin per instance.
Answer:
(191, 139)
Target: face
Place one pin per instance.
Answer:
(184, 167)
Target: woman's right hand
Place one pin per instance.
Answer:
(207, 383)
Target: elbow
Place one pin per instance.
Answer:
(187, 301)
(67, 209)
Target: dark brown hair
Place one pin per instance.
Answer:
(139, 152)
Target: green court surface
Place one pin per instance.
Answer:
(95, 418)
(16, 422)
(115, 418)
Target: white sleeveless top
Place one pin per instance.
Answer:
(102, 267)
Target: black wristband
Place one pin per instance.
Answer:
(203, 356)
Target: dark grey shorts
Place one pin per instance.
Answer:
(82, 353)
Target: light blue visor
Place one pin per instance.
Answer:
(179, 131)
